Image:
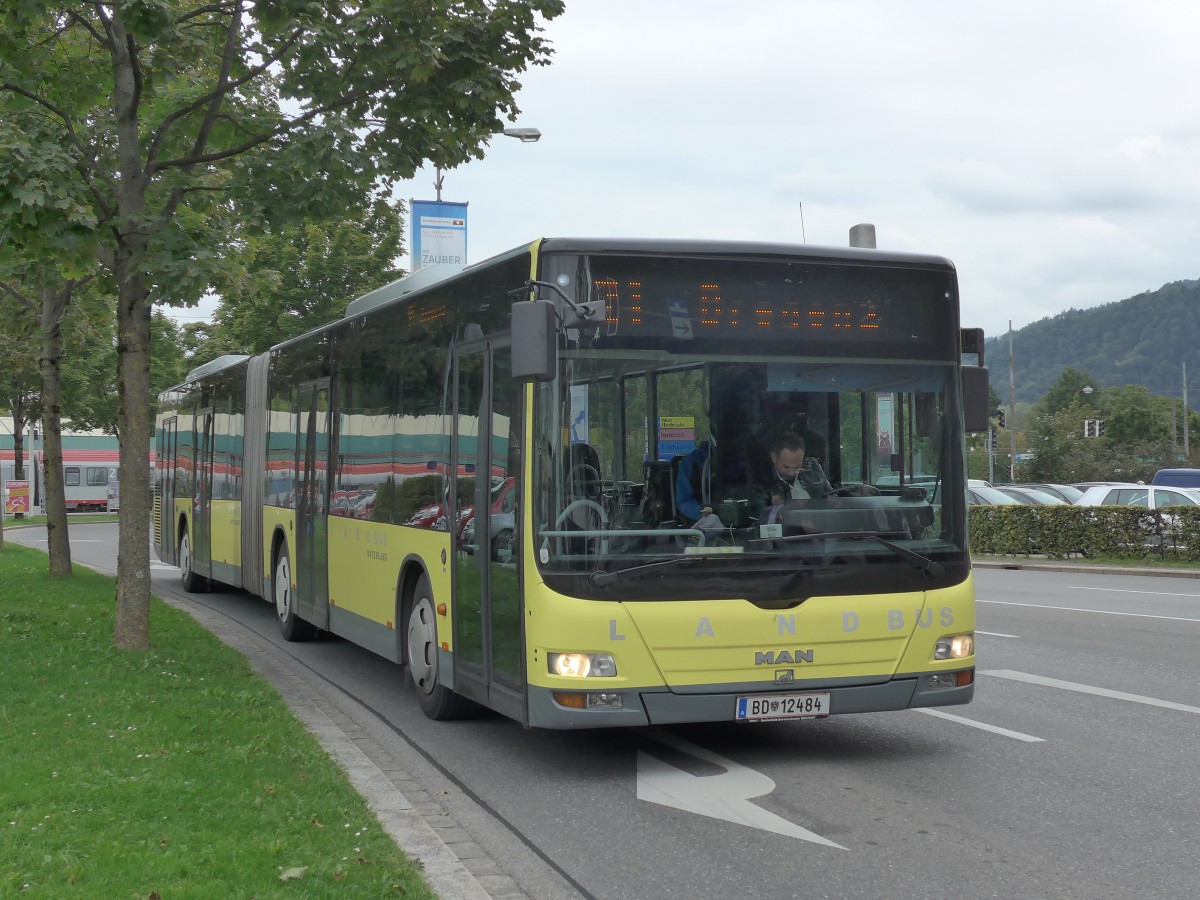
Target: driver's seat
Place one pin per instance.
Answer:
(583, 471)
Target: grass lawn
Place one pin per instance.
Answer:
(170, 773)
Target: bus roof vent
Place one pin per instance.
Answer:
(216, 365)
(421, 278)
(863, 235)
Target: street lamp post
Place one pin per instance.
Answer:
(524, 135)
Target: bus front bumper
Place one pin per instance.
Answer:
(662, 706)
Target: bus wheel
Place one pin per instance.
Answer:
(437, 701)
(192, 583)
(291, 625)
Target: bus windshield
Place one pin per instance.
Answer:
(760, 418)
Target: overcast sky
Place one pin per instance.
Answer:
(1050, 149)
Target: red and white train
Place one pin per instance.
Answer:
(89, 468)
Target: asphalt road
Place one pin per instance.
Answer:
(1073, 774)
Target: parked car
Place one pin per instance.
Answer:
(503, 526)
(503, 505)
(988, 496)
(1184, 478)
(1067, 492)
(428, 516)
(1145, 496)
(363, 506)
(1031, 496)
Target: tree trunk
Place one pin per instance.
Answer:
(58, 540)
(131, 629)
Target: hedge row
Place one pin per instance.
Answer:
(1060, 532)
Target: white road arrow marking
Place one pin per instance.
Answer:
(725, 796)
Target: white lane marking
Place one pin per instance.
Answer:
(1099, 612)
(42, 540)
(996, 634)
(1082, 587)
(725, 796)
(995, 729)
(1089, 689)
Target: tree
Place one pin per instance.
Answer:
(1133, 417)
(1069, 390)
(302, 275)
(160, 111)
(44, 341)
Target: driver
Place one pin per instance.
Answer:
(792, 475)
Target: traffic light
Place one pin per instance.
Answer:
(993, 437)
(1000, 417)
(1099, 428)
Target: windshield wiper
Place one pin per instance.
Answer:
(926, 565)
(600, 579)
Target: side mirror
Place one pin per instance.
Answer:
(976, 415)
(534, 340)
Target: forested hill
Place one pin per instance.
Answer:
(1143, 340)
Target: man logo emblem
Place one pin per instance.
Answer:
(785, 676)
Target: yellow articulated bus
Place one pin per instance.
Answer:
(593, 483)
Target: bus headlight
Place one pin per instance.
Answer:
(583, 665)
(959, 646)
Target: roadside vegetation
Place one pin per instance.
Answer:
(1132, 535)
(171, 772)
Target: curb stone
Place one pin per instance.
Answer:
(439, 854)
(1051, 565)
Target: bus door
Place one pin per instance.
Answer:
(202, 495)
(488, 634)
(164, 457)
(312, 503)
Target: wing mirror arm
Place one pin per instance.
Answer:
(535, 327)
(583, 314)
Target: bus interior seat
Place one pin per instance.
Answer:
(583, 471)
(658, 500)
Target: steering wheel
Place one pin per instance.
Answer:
(581, 503)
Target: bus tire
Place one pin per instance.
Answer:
(437, 701)
(291, 626)
(192, 583)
